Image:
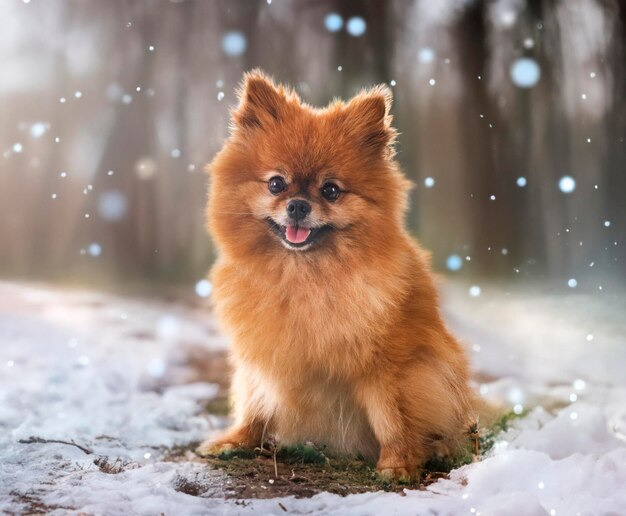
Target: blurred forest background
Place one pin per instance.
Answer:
(512, 118)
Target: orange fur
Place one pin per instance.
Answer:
(342, 343)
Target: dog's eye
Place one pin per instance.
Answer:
(276, 185)
(330, 192)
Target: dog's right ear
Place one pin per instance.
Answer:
(368, 120)
(261, 102)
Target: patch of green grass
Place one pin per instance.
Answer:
(487, 436)
(447, 464)
(301, 454)
(480, 441)
(237, 453)
(303, 470)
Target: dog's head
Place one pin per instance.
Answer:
(299, 179)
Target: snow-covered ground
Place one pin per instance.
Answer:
(116, 377)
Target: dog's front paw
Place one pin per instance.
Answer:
(402, 474)
(214, 447)
(393, 465)
(234, 438)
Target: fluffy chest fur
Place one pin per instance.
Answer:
(298, 320)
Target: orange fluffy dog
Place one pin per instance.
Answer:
(331, 305)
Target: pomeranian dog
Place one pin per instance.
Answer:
(330, 304)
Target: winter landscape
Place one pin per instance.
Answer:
(512, 127)
(98, 391)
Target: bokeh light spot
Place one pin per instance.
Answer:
(475, 291)
(454, 262)
(525, 72)
(112, 205)
(94, 249)
(234, 43)
(426, 55)
(567, 184)
(333, 22)
(204, 288)
(356, 26)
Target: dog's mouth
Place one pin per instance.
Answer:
(298, 237)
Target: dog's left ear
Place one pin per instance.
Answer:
(261, 102)
(368, 120)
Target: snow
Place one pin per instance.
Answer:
(234, 43)
(38, 129)
(204, 288)
(94, 249)
(567, 184)
(106, 373)
(80, 367)
(356, 26)
(475, 291)
(454, 262)
(426, 55)
(525, 72)
(333, 22)
(112, 205)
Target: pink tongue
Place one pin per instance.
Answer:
(297, 235)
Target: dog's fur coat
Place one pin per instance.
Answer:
(341, 343)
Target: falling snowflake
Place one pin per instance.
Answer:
(567, 184)
(356, 26)
(204, 288)
(333, 22)
(234, 43)
(454, 262)
(525, 72)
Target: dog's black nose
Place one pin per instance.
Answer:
(297, 209)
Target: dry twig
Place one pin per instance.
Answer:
(39, 440)
(299, 478)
